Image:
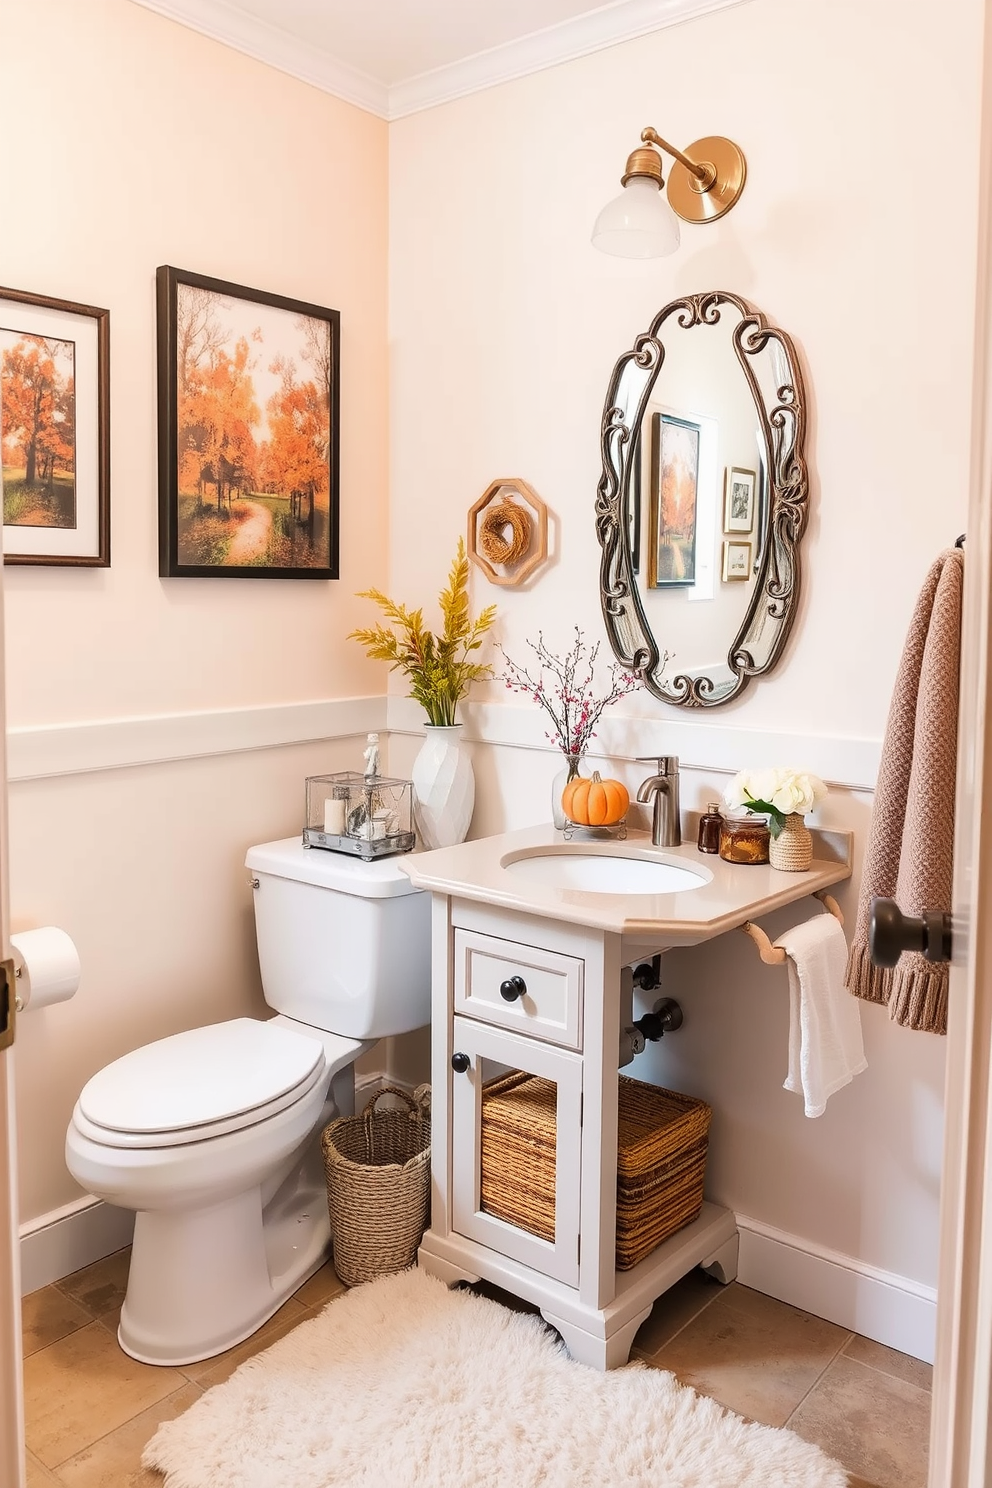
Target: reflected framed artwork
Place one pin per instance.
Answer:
(55, 433)
(248, 402)
(736, 562)
(738, 499)
(674, 491)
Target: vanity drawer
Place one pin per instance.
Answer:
(549, 1006)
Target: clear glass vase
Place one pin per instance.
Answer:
(566, 774)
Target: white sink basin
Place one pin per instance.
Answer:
(603, 873)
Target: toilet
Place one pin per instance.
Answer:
(212, 1136)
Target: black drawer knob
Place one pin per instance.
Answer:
(512, 988)
(460, 1063)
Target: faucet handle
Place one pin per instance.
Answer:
(667, 764)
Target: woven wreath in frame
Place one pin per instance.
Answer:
(508, 531)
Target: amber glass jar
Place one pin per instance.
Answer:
(710, 823)
(744, 838)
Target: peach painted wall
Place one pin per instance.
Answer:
(143, 143)
(505, 324)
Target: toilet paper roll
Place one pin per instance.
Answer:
(47, 966)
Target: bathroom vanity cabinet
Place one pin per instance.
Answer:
(528, 976)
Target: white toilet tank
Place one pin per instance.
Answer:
(343, 945)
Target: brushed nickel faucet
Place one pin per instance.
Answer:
(663, 787)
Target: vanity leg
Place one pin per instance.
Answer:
(722, 1264)
(443, 1270)
(598, 1353)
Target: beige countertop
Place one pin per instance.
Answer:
(732, 893)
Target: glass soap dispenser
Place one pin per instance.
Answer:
(710, 823)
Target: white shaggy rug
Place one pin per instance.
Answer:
(403, 1384)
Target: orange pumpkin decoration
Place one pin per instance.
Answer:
(595, 802)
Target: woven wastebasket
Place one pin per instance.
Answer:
(378, 1169)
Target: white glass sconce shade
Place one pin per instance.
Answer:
(638, 223)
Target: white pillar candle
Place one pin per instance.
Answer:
(334, 816)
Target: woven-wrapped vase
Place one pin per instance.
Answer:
(792, 849)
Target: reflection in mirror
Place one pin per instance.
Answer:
(702, 501)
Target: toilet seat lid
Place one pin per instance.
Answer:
(196, 1079)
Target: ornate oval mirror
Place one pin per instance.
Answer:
(703, 499)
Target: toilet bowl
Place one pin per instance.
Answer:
(212, 1135)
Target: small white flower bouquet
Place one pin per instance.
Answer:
(776, 793)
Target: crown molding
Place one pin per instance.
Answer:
(276, 48)
(597, 29)
(593, 32)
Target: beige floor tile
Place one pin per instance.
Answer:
(111, 1320)
(116, 1459)
(83, 1387)
(754, 1355)
(39, 1476)
(876, 1425)
(673, 1309)
(320, 1288)
(890, 1361)
(47, 1316)
(100, 1287)
(212, 1371)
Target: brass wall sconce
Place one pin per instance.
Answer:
(703, 184)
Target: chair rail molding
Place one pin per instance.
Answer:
(118, 743)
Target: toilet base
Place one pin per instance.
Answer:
(204, 1280)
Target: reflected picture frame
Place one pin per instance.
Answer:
(739, 487)
(249, 431)
(673, 501)
(736, 562)
(55, 431)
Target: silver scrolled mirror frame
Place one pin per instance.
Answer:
(781, 416)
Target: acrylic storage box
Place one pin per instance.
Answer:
(370, 816)
(661, 1160)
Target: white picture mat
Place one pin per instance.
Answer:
(83, 541)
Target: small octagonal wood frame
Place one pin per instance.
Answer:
(524, 512)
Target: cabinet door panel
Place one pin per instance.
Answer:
(519, 1198)
(548, 1004)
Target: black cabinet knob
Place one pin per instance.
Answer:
(460, 1063)
(512, 988)
(890, 932)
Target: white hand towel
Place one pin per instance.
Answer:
(825, 1046)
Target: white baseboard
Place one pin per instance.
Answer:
(65, 1240)
(878, 1304)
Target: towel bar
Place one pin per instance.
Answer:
(774, 955)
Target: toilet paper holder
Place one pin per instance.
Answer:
(43, 968)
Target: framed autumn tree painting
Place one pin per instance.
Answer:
(54, 431)
(248, 432)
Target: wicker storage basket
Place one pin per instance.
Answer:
(661, 1160)
(378, 1169)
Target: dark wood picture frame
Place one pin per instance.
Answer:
(672, 549)
(62, 350)
(256, 508)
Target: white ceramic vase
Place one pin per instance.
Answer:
(443, 788)
(792, 849)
